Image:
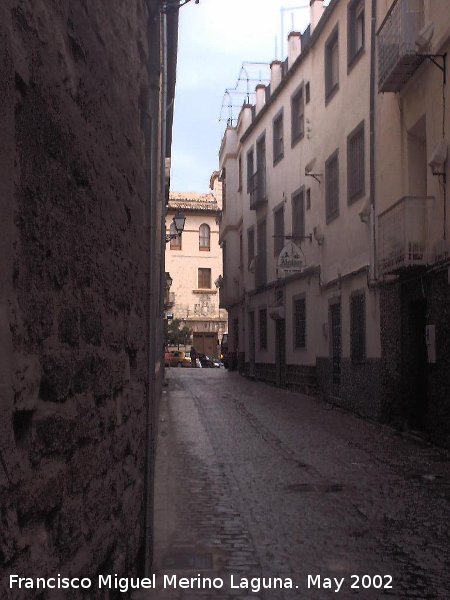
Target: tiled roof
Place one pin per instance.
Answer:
(192, 201)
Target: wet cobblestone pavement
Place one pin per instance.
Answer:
(257, 482)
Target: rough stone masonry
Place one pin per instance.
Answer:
(74, 80)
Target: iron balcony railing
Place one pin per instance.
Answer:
(406, 234)
(398, 55)
(258, 188)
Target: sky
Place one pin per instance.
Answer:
(215, 38)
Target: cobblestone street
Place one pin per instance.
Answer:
(254, 481)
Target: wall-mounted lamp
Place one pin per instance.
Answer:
(178, 221)
(318, 235)
(438, 158)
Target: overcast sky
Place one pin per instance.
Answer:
(215, 38)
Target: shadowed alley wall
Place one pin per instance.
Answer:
(75, 190)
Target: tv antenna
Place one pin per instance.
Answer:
(243, 92)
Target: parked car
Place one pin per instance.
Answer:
(179, 358)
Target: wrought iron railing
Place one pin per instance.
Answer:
(398, 56)
(257, 188)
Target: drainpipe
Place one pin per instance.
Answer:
(373, 258)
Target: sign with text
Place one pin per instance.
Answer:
(290, 260)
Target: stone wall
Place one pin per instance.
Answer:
(74, 189)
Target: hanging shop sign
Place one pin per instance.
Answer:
(291, 260)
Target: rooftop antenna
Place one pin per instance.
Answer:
(276, 48)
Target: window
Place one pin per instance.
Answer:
(239, 173)
(278, 230)
(357, 327)
(298, 215)
(175, 242)
(355, 163)
(297, 115)
(355, 30)
(331, 65)
(204, 237)
(204, 279)
(261, 258)
(308, 198)
(332, 186)
(241, 251)
(250, 244)
(307, 92)
(250, 170)
(299, 323)
(278, 143)
(263, 329)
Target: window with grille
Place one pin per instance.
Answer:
(204, 279)
(297, 115)
(358, 327)
(355, 37)
(299, 323)
(355, 163)
(307, 92)
(332, 186)
(204, 237)
(261, 258)
(239, 173)
(278, 230)
(278, 141)
(250, 170)
(298, 215)
(332, 65)
(263, 329)
(308, 198)
(250, 244)
(175, 242)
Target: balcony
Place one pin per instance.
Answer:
(405, 234)
(397, 52)
(258, 189)
(260, 269)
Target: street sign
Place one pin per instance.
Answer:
(290, 260)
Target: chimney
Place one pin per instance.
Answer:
(317, 9)
(294, 47)
(275, 75)
(260, 96)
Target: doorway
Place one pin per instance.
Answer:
(415, 359)
(335, 347)
(280, 352)
(251, 343)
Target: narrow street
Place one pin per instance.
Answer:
(253, 481)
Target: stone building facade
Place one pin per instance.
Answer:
(194, 261)
(82, 194)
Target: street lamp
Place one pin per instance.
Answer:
(178, 222)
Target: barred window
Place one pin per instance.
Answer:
(332, 186)
(355, 163)
(250, 169)
(300, 323)
(332, 65)
(175, 242)
(307, 92)
(355, 30)
(278, 142)
(278, 230)
(204, 279)
(298, 215)
(204, 237)
(297, 115)
(263, 329)
(250, 244)
(308, 199)
(239, 173)
(358, 327)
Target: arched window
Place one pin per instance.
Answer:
(204, 237)
(175, 242)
